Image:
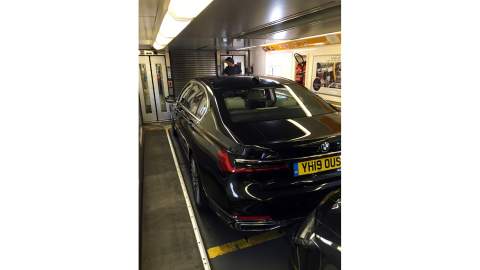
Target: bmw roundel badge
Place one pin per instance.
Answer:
(324, 147)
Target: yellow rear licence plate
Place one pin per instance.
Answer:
(316, 165)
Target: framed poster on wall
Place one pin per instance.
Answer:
(327, 72)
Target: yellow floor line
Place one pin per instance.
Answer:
(243, 243)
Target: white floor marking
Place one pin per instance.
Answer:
(201, 247)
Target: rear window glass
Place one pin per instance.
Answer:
(271, 103)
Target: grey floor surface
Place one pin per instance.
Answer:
(168, 241)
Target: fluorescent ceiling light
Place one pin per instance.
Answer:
(171, 27)
(245, 48)
(280, 35)
(161, 40)
(322, 35)
(158, 46)
(286, 41)
(180, 13)
(275, 43)
(187, 9)
(276, 13)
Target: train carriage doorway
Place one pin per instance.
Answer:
(153, 88)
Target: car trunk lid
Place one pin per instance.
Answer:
(292, 138)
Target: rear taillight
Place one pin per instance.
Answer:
(253, 218)
(226, 165)
(224, 162)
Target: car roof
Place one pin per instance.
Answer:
(239, 82)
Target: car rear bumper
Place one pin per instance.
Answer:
(279, 208)
(243, 189)
(245, 226)
(252, 225)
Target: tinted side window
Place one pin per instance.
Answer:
(184, 95)
(202, 107)
(188, 97)
(194, 99)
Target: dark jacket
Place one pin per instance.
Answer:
(232, 70)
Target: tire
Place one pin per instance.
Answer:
(174, 131)
(197, 189)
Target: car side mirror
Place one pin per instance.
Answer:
(170, 99)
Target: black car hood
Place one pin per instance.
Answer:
(287, 130)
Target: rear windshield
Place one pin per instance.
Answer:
(271, 103)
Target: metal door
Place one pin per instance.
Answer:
(147, 94)
(160, 86)
(153, 88)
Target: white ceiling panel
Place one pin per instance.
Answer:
(148, 8)
(151, 13)
(146, 25)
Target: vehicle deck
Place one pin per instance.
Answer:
(167, 238)
(168, 241)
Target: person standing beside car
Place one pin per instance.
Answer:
(231, 68)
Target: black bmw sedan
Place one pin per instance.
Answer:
(262, 150)
(316, 244)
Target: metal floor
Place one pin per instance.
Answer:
(167, 238)
(168, 241)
